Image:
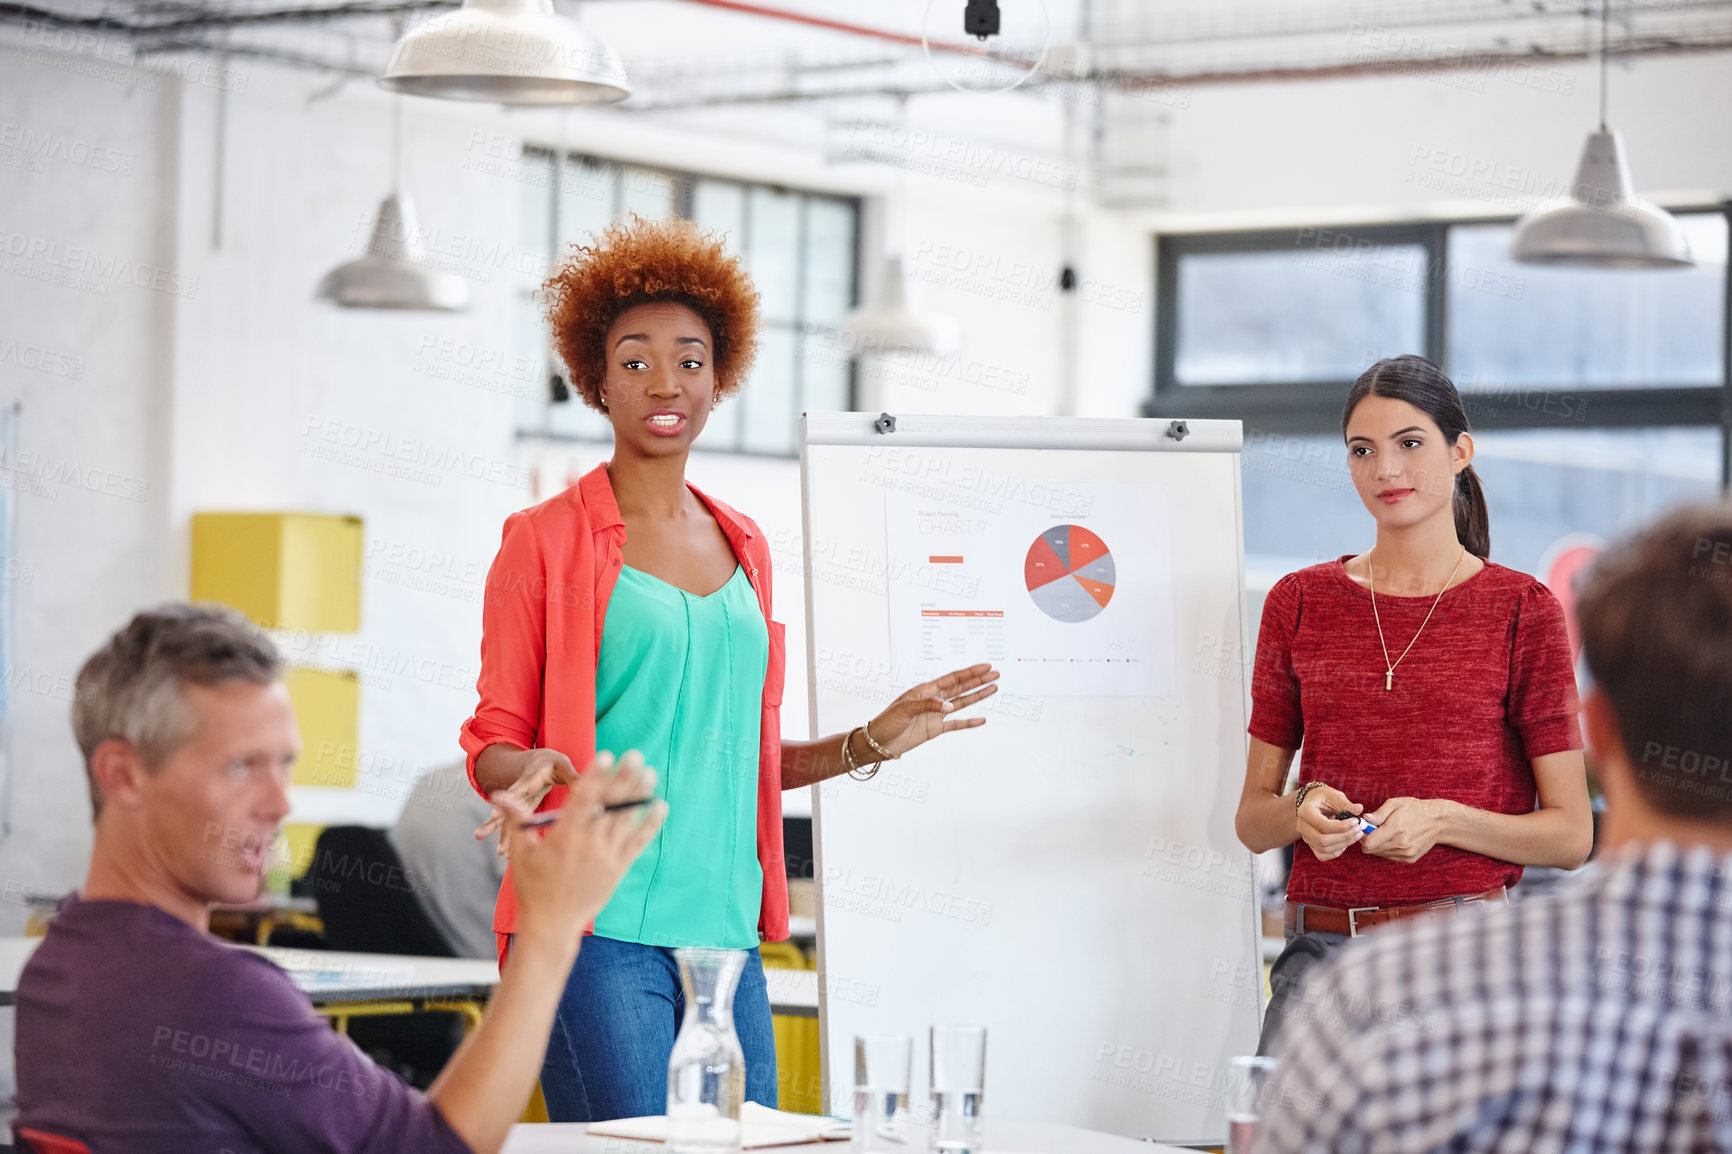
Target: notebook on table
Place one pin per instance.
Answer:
(759, 1126)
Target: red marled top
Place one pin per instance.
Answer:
(1487, 688)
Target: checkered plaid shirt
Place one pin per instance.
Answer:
(1594, 1017)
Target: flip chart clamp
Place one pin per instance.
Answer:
(1178, 430)
(885, 423)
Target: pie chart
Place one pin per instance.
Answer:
(1069, 573)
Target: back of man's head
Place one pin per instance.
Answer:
(130, 689)
(1656, 623)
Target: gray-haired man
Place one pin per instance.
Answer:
(138, 1031)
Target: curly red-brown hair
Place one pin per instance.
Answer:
(643, 262)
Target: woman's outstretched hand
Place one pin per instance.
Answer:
(927, 710)
(545, 769)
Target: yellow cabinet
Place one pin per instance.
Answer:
(327, 703)
(283, 570)
(798, 1086)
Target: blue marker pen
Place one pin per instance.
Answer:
(1348, 815)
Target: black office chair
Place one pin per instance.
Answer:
(369, 905)
(366, 900)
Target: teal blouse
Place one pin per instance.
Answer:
(681, 678)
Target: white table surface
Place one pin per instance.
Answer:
(328, 976)
(271, 904)
(1003, 1136)
(325, 975)
(793, 993)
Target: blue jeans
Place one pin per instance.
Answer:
(614, 1032)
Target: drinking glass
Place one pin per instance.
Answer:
(958, 1084)
(881, 1077)
(1247, 1076)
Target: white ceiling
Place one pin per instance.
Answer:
(766, 69)
(711, 51)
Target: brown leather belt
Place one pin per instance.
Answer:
(1329, 920)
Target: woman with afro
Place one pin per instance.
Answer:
(632, 612)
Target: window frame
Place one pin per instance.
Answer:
(685, 190)
(1308, 408)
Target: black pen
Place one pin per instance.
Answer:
(552, 815)
(1349, 815)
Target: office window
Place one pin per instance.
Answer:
(800, 250)
(1303, 312)
(1598, 399)
(1583, 329)
(1543, 487)
(590, 198)
(1274, 326)
(1299, 504)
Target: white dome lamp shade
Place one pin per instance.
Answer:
(1602, 223)
(894, 324)
(393, 273)
(517, 52)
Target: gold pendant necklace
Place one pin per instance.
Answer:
(1371, 579)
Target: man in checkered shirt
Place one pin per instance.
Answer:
(1597, 1016)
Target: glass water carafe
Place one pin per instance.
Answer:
(707, 1072)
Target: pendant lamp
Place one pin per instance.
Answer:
(517, 52)
(1602, 223)
(393, 273)
(893, 324)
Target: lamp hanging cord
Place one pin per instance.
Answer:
(1605, 30)
(397, 120)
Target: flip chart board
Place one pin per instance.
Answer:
(1066, 874)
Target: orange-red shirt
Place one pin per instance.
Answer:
(541, 623)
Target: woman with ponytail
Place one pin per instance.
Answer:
(1432, 691)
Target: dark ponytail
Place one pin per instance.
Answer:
(1424, 386)
(1472, 526)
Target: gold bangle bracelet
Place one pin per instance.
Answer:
(855, 767)
(884, 754)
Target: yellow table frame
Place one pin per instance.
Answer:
(472, 1010)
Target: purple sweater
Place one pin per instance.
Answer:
(138, 1033)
